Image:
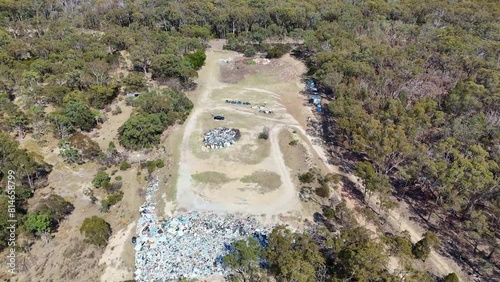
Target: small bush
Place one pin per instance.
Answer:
(101, 179)
(250, 51)
(159, 163)
(293, 142)
(333, 177)
(323, 191)
(117, 110)
(307, 177)
(96, 231)
(55, 206)
(110, 201)
(422, 248)
(124, 166)
(38, 223)
(277, 50)
(151, 166)
(117, 186)
(264, 134)
(118, 178)
(452, 277)
(328, 212)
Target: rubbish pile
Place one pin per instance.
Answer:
(221, 137)
(189, 244)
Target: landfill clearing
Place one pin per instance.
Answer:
(258, 101)
(230, 178)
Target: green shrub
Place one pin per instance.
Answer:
(277, 50)
(96, 231)
(118, 178)
(110, 201)
(307, 177)
(101, 179)
(196, 59)
(124, 166)
(250, 51)
(323, 191)
(159, 163)
(452, 277)
(38, 223)
(151, 165)
(422, 248)
(293, 142)
(264, 134)
(80, 115)
(328, 212)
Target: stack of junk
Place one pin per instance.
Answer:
(221, 137)
(188, 245)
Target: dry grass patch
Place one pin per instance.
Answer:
(295, 155)
(266, 180)
(211, 177)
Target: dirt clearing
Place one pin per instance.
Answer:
(251, 174)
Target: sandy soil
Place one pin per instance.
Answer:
(116, 269)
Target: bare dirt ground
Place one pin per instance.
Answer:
(108, 131)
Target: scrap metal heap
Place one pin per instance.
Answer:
(221, 137)
(189, 244)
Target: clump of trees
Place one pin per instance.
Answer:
(156, 111)
(47, 215)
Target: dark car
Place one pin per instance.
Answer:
(219, 117)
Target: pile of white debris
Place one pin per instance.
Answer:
(189, 244)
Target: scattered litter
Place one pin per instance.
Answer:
(221, 137)
(265, 111)
(262, 61)
(237, 102)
